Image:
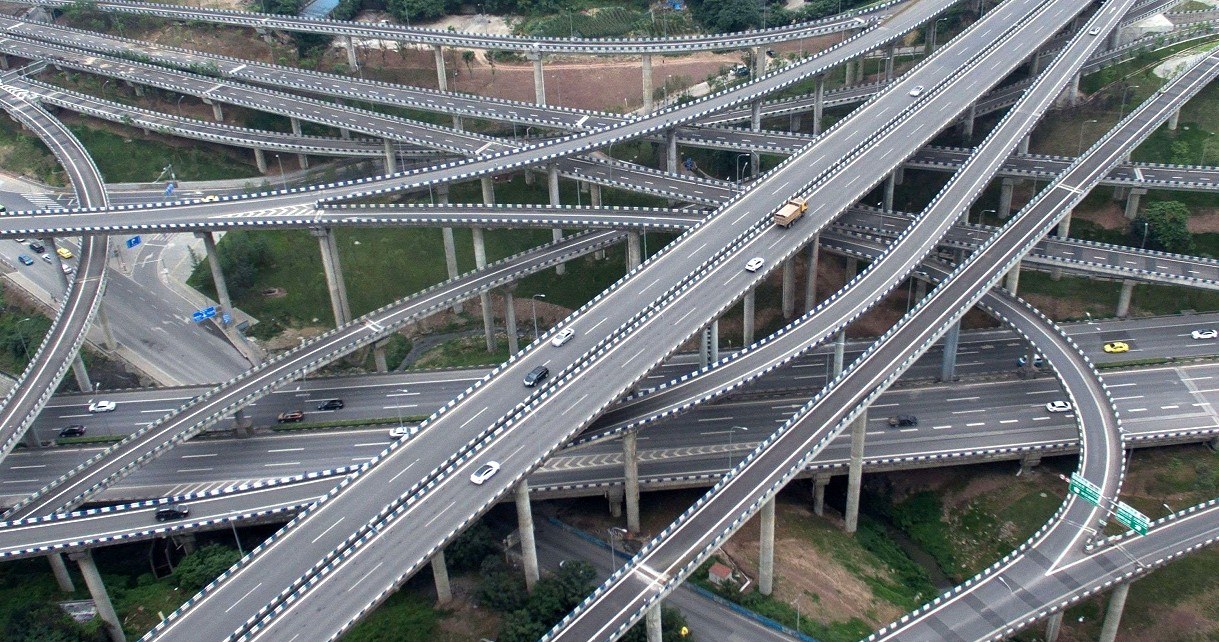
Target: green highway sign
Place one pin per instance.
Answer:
(1131, 518)
(1085, 489)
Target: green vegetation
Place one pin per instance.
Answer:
(20, 335)
(1072, 296)
(350, 423)
(27, 609)
(22, 153)
(404, 617)
(1165, 225)
(137, 159)
(464, 352)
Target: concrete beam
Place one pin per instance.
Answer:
(524, 521)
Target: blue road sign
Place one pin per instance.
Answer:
(227, 318)
(133, 241)
(202, 315)
(169, 189)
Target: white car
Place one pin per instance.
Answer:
(1209, 333)
(398, 432)
(1058, 406)
(485, 472)
(1094, 32)
(917, 91)
(754, 264)
(102, 406)
(562, 337)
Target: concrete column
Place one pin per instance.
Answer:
(103, 322)
(1023, 146)
(1070, 95)
(759, 62)
(353, 61)
(852, 267)
(539, 79)
(648, 105)
(948, 366)
(755, 124)
(840, 349)
(789, 288)
(301, 159)
(810, 285)
(1053, 626)
(1132, 202)
(260, 160)
(795, 123)
(855, 473)
(1114, 39)
(820, 481)
(652, 622)
(442, 75)
(632, 251)
(1011, 283)
(450, 259)
(59, 568)
(594, 200)
(213, 262)
(440, 574)
(1172, 120)
(1063, 232)
(1123, 299)
(849, 75)
(510, 321)
(1029, 462)
(630, 465)
(1119, 192)
(890, 187)
(704, 348)
(524, 521)
(4, 62)
(818, 102)
(748, 316)
(552, 182)
(967, 129)
(1035, 63)
(766, 556)
(81, 374)
(615, 495)
(217, 112)
(378, 356)
(899, 174)
(391, 157)
(713, 340)
(243, 426)
(1005, 197)
(1113, 615)
(488, 187)
(889, 51)
(671, 155)
(334, 275)
(484, 298)
(97, 590)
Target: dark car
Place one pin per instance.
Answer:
(331, 404)
(901, 421)
(172, 511)
(291, 417)
(37, 247)
(536, 376)
(75, 430)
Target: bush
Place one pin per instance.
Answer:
(470, 548)
(47, 623)
(198, 569)
(1163, 226)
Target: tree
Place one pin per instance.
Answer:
(407, 10)
(43, 622)
(502, 588)
(198, 569)
(467, 57)
(242, 254)
(470, 548)
(1165, 226)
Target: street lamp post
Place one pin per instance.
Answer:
(738, 165)
(934, 28)
(283, 180)
(614, 532)
(731, 434)
(1080, 147)
(533, 311)
(983, 213)
(1122, 110)
(180, 104)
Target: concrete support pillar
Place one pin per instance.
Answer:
(103, 322)
(1023, 146)
(1063, 231)
(1070, 95)
(450, 259)
(889, 51)
(632, 251)
(488, 187)
(648, 104)
(789, 288)
(1114, 39)
(81, 374)
(615, 495)
(1123, 299)
(524, 524)
(1035, 63)
(1132, 202)
(820, 481)
(671, 150)
(1011, 282)
(1172, 120)
(1005, 197)
(301, 159)
(852, 267)
(652, 622)
(539, 79)
(890, 187)
(217, 112)
(440, 574)
(755, 124)
(704, 348)
(1119, 192)
(510, 321)
(260, 160)
(948, 366)
(630, 466)
(1029, 462)
(353, 61)
(849, 76)
(442, 75)
(4, 62)
(748, 315)
(552, 183)
(766, 542)
(795, 123)
(378, 356)
(334, 275)
(967, 127)
(1113, 615)
(810, 284)
(713, 340)
(213, 262)
(484, 298)
(243, 426)
(594, 200)
(840, 349)
(759, 63)
(1053, 626)
(59, 569)
(391, 157)
(855, 473)
(97, 590)
(818, 102)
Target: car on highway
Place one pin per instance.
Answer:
(291, 417)
(902, 421)
(47, 258)
(172, 511)
(1095, 31)
(562, 337)
(398, 432)
(25, 259)
(1024, 361)
(102, 406)
(64, 253)
(67, 269)
(917, 91)
(484, 472)
(1209, 333)
(331, 404)
(36, 247)
(754, 264)
(74, 430)
(20, 240)
(1058, 406)
(1116, 347)
(536, 376)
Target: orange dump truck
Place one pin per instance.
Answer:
(790, 212)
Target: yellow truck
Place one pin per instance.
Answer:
(790, 212)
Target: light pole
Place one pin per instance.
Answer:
(613, 532)
(180, 104)
(983, 213)
(738, 165)
(731, 434)
(1146, 226)
(1080, 147)
(533, 311)
(934, 28)
(1122, 110)
(283, 181)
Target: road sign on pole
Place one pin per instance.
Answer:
(202, 315)
(133, 241)
(1085, 489)
(1132, 518)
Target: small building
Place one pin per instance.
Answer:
(720, 575)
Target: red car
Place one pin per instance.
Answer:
(291, 417)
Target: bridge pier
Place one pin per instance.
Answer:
(755, 124)
(97, 590)
(442, 78)
(1035, 63)
(713, 340)
(1023, 146)
(671, 155)
(632, 251)
(552, 183)
(859, 429)
(301, 159)
(748, 316)
(810, 285)
(889, 52)
(1173, 119)
(353, 60)
(820, 481)
(378, 356)
(440, 575)
(1113, 615)
(818, 103)
(652, 622)
(852, 268)
(213, 262)
(948, 366)
(391, 157)
(59, 569)
(594, 200)
(484, 297)
(334, 275)
(243, 426)
(766, 542)
(1123, 299)
(648, 104)
(614, 496)
(1132, 202)
(789, 288)
(539, 78)
(510, 320)
(1114, 38)
(840, 349)
(1053, 626)
(967, 126)
(630, 468)
(1029, 462)
(1070, 95)
(260, 160)
(1011, 282)
(849, 73)
(524, 520)
(1062, 232)
(704, 347)
(1005, 197)
(795, 123)
(890, 187)
(81, 374)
